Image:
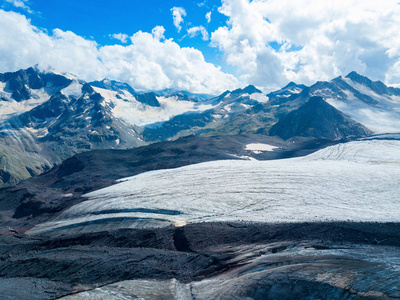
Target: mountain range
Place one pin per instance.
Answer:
(47, 117)
(113, 193)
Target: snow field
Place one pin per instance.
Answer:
(357, 181)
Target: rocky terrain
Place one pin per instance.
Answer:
(324, 225)
(207, 260)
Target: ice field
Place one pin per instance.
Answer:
(357, 181)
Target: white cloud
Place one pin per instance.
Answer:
(177, 14)
(20, 4)
(208, 17)
(158, 32)
(193, 31)
(149, 63)
(121, 37)
(275, 41)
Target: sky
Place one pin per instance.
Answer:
(203, 46)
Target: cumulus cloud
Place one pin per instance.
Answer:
(208, 17)
(177, 14)
(276, 41)
(193, 31)
(121, 37)
(158, 32)
(149, 63)
(20, 4)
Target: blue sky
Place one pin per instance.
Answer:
(157, 44)
(99, 19)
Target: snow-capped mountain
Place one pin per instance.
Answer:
(214, 113)
(370, 103)
(288, 90)
(47, 117)
(371, 106)
(185, 94)
(113, 85)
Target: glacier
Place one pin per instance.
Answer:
(355, 181)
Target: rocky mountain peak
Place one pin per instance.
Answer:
(149, 99)
(113, 85)
(354, 76)
(250, 89)
(318, 118)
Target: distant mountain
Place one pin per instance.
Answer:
(185, 94)
(290, 89)
(30, 84)
(368, 102)
(214, 113)
(376, 86)
(113, 85)
(317, 118)
(47, 117)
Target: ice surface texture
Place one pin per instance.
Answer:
(357, 181)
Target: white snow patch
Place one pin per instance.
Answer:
(260, 97)
(134, 112)
(74, 89)
(228, 107)
(108, 95)
(94, 132)
(32, 130)
(260, 147)
(66, 75)
(12, 107)
(383, 99)
(42, 132)
(295, 90)
(376, 119)
(2, 87)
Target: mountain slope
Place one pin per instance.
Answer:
(217, 113)
(47, 117)
(113, 85)
(370, 103)
(318, 119)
